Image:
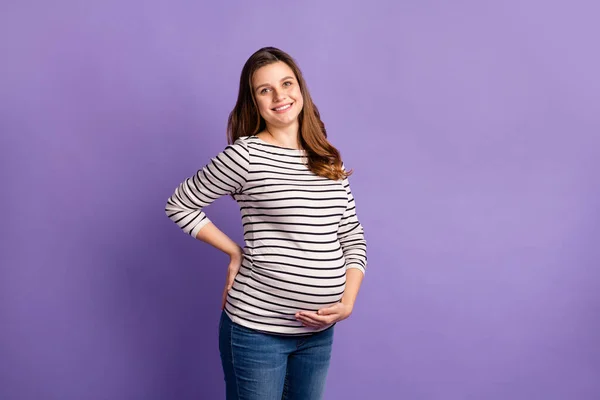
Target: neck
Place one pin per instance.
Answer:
(285, 136)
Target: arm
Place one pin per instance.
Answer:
(215, 237)
(224, 174)
(354, 246)
(354, 278)
(351, 235)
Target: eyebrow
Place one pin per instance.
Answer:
(266, 84)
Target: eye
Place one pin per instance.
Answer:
(286, 82)
(263, 91)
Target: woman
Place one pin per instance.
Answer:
(305, 253)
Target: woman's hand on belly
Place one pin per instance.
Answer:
(325, 316)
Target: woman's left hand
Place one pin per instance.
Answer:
(325, 316)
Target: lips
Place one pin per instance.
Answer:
(282, 107)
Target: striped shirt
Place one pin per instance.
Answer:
(301, 232)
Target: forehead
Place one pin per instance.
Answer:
(271, 73)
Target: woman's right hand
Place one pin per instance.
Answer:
(232, 270)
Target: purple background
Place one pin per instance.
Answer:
(472, 128)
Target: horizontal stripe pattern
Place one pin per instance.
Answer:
(301, 232)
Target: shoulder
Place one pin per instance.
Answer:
(235, 153)
(240, 146)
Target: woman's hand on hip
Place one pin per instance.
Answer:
(232, 270)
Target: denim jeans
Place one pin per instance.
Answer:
(262, 366)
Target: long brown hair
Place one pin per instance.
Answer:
(244, 120)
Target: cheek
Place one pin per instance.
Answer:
(262, 106)
(298, 97)
(300, 103)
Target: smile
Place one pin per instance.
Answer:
(283, 109)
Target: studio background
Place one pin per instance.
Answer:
(472, 128)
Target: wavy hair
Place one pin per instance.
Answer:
(245, 120)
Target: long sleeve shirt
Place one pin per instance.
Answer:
(301, 232)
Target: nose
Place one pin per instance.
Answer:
(277, 95)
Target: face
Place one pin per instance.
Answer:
(277, 94)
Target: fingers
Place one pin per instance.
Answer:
(322, 317)
(312, 319)
(228, 285)
(230, 279)
(334, 309)
(310, 324)
(223, 298)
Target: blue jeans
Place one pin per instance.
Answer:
(262, 366)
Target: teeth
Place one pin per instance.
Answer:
(283, 108)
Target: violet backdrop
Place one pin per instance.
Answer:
(472, 128)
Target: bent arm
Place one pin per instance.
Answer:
(351, 235)
(215, 237)
(354, 246)
(224, 174)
